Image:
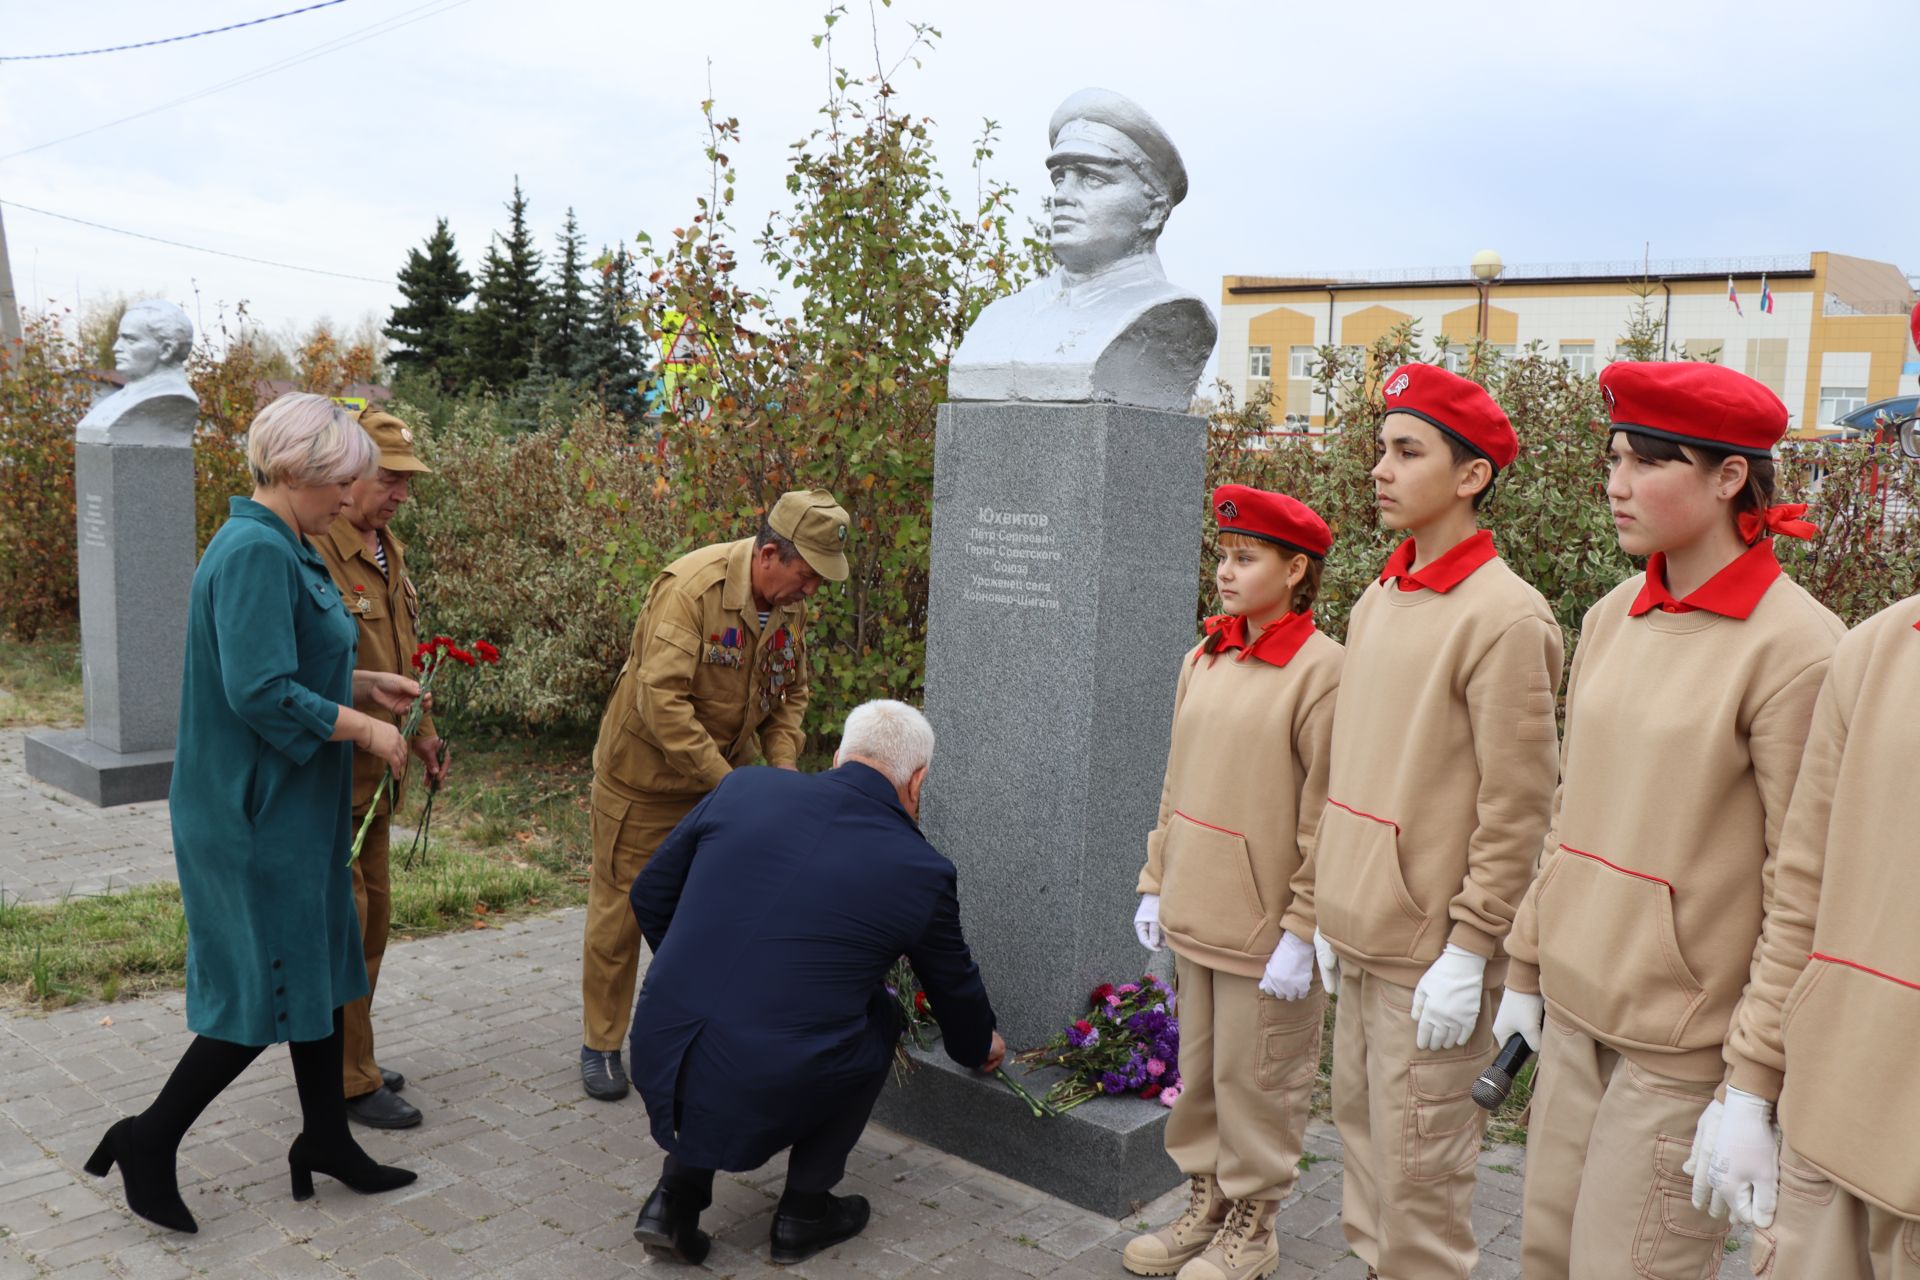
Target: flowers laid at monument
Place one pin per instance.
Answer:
(429, 660)
(916, 1020)
(1128, 1042)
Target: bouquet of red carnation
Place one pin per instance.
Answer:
(429, 660)
(1128, 1042)
(916, 1017)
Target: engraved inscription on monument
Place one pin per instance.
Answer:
(93, 520)
(1013, 558)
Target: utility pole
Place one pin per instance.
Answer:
(9, 305)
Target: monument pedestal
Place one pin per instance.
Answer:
(136, 543)
(1065, 560)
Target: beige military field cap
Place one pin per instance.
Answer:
(393, 438)
(817, 526)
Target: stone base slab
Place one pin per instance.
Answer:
(68, 759)
(1107, 1155)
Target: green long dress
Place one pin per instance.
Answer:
(261, 801)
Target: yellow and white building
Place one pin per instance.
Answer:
(1835, 340)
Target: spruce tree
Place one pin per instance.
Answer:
(567, 305)
(427, 329)
(503, 332)
(612, 355)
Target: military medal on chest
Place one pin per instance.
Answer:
(723, 648)
(360, 602)
(778, 659)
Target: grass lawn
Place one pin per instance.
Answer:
(509, 835)
(40, 681)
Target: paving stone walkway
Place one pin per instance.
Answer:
(53, 845)
(520, 1175)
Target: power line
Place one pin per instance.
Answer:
(405, 18)
(177, 244)
(148, 44)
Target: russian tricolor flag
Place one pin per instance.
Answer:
(1766, 298)
(1734, 298)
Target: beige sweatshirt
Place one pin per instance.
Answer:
(1246, 780)
(1684, 733)
(1442, 775)
(1834, 1002)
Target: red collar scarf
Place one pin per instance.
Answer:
(1445, 573)
(1732, 593)
(1275, 645)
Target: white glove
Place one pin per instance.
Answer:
(1289, 969)
(1746, 1159)
(1329, 964)
(1520, 1014)
(1146, 923)
(1446, 1004)
(1706, 1196)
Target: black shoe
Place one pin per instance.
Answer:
(392, 1080)
(601, 1073)
(666, 1228)
(152, 1191)
(797, 1239)
(349, 1164)
(383, 1109)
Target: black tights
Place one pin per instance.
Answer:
(210, 1065)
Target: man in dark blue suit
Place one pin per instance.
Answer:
(773, 912)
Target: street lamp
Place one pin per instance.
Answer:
(1486, 269)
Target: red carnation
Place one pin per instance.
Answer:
(1083, 1027)
(1151, 1091)
(443, 642)
(1100, 993)
(460, 655)
(920, 1001)
(486, 652)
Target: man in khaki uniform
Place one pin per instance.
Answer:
(369, 566)
(715, 677)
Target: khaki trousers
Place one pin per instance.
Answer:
(373, 898)
(1411, 1131)
(1822, 1231)
(625, 834)
(1247, 1067)
(1605, 1194)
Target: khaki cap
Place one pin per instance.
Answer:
(393, 438)
(817, 526)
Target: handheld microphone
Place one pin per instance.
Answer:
(1491, 1089)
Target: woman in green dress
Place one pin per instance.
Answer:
(261, 807)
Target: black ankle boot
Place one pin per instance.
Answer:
(149, 1179)
(667, 1225)
(347, 1163)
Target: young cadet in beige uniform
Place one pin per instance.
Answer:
(1246, 781)
(369, 566)
(1834, 1003)
(1439, 794)
(1687, 710)
(716, 676)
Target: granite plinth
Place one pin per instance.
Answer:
(1065, 564)
(1107, 1155)
(68, 759)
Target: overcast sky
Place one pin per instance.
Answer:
(1397, 133)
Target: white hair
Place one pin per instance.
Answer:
(306, 439)
(893, 736)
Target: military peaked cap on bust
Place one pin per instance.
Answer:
(1100, 124)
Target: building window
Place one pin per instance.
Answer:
(1259, 362)
(1299, 362)
(1837, 402)
(1578, 357)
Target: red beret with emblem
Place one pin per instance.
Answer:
(1458, 406)
(1693, 402)
(1272, 517)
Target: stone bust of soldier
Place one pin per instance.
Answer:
(1107, 325)
(157, 405)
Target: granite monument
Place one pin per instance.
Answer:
(133, 491)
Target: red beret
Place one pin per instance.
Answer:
(1273, 517)
(1913, 324)
(1693, 402)
(1461, 408)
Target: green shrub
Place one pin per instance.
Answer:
(42, 400)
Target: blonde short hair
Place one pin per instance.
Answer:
(892, 735)
(306, 439)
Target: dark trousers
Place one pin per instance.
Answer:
(815, 1163)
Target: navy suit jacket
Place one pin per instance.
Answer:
(774, 911)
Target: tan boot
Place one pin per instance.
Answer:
(1165, 1251)
(1244, 1249)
